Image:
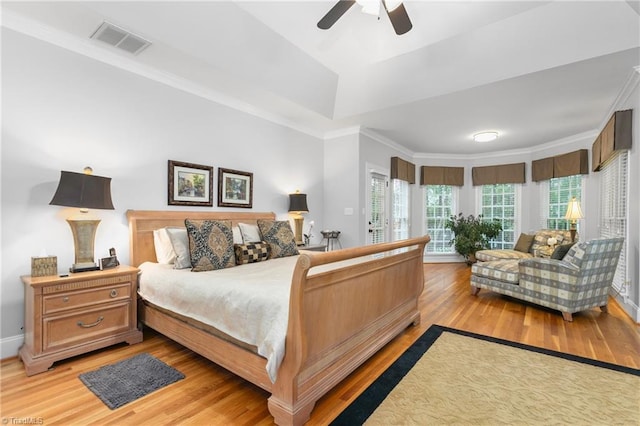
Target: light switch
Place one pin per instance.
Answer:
(348, 211)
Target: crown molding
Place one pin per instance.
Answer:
(347, 131)
(386, 141)
(589, 135)
(627, 89)
(88, 48)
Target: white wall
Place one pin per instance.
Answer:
(63, 111)
(341, 188)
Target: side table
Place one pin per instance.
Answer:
(71, 315)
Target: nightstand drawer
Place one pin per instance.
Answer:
(78, 299)
(78, 328)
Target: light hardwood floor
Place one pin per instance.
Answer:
(212, 396)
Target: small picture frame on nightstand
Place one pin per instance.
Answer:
(109, 262)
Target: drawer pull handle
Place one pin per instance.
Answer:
(65, 299)
(83, 325)
(113, 293)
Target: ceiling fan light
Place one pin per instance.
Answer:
(370, 7)
(392, 5)
(485, 136)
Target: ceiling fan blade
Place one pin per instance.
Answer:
(334, 14)
(399, 19)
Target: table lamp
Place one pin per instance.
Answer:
(86, 191)
(297, 206)
(574, 212)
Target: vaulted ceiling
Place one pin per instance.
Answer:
(536, 72)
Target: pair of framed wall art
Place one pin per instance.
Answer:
(192, 185)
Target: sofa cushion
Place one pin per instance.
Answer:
(501, 270)
(491, 255)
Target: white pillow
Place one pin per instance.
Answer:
(180, 243)
(237, 235)
(164, 249)
(250, 233)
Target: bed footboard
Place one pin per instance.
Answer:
(341, 317)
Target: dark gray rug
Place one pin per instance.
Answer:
(125, 381)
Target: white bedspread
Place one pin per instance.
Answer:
(248, 302)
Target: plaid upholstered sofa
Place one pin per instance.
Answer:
(538, 247)
(580, 281)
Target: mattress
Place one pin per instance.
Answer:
(250, 302)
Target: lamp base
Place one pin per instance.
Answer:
(84, 233)
(298, 221)
(572, 231)
(83, 268)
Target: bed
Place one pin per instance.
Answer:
(329, 331)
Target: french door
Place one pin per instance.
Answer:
(377, 207)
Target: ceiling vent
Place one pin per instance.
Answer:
(120, 38)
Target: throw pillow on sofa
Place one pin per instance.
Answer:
(561, 251)
(524, 243)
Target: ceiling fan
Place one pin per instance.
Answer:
(394, 8)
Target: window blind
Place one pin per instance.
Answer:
(400, 210)
(378, 214)
(613, 210)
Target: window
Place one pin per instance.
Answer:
(559, 193)
(613, 210)
(400, 210)
(440, 203)
(499, 201)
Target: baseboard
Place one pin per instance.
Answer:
(9, 346)
(629, 308)
(442, 258)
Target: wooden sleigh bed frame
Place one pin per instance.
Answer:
(337, 319)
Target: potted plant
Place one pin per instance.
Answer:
(472, 234)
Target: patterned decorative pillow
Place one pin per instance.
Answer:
(540, 242)
(575, 254)
(279, 236)
(210, 244)
(252, 252)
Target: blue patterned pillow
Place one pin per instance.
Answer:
(210, 244)
(279, 236)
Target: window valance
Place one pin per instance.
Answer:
(440, 175)
(403, 169)
(615, 136)
(504, 173)
(572, 163)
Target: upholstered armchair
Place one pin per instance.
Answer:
(580, 281)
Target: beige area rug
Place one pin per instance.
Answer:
(467, 379)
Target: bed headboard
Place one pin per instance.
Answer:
(143, 222)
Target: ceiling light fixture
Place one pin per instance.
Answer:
(392, 4)
(485, 136)
(370, 7)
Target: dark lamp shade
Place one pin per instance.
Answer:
(298, 203)
(84, 191)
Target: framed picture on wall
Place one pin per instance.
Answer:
(235, 188)
(190, 184)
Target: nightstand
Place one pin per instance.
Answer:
(68, 316)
